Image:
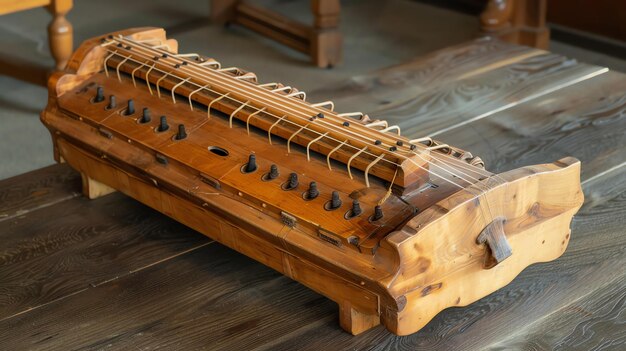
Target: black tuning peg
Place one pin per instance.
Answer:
(378, 213)
(335, 201)
(99, 95)
(292, 183)
(251, 165)
(112, 103)
(273, 174)
(145, 116)
(130, 109)
(182, 134)
(312, 191)
(163, 125)
(356, 208)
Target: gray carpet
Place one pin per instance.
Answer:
(377, 34)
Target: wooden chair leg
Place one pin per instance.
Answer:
(517, 21)
(60, 32)
(222, 11)
(356, 322)
(326, 40)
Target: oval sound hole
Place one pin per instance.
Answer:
(218, 150)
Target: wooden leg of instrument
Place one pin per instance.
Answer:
(93, 189)
(356, 322)
(60, 32)
(222, 11)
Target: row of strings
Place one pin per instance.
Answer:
(449, 164)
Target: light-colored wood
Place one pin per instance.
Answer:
(93, 189)
(399, 271)
(355, 322)
(60, 39)
(60, 32)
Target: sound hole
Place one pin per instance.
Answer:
(218, 150)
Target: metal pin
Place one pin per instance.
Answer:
(273, 174)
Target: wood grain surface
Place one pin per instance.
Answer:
(113, 274)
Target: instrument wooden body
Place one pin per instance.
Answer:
(419, 226)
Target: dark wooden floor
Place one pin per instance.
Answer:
(113, 274)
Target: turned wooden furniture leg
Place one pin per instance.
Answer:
(93, 189)
(354, 321)
(60, 33)
(326, 40)
(322, 41)
(517, 21)
(222, 11)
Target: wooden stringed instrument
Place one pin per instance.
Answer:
(391, 228)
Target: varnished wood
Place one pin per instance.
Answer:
(60, 39)
(215, 298)
(517, 21)
(397, 270)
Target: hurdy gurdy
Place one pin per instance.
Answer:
(393, 229)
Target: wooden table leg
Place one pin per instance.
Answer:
(517, 21)
(326, 40)
(60, 33)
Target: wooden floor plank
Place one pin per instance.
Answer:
(49, 185)
(372, 91)
(586, 121)
(55, 251)
(212, 298)
(593, 322)
(595, 258)
(455, 103)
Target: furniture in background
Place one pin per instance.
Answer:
(59, 36)
(322, 41)
(517, 21)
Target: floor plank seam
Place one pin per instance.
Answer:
(95, 285)
(521, 101)
(6, 217)
(520, 331)
(601, 174)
